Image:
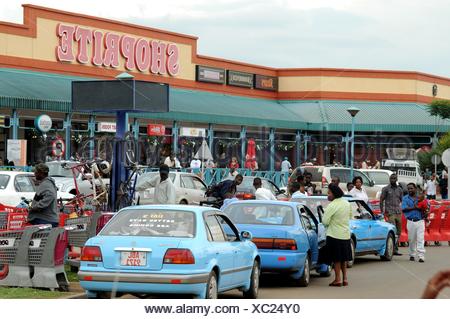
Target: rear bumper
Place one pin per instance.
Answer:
(281, 260)
(144, 283)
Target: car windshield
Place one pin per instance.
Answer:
(4, 179)
(148, 176)
(151, 223)
(379, 178)
(56, 169)
(312, 203)
(261, 214)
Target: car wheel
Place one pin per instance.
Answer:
(211, 286)
(252, 292)
(351, 262)
(303, 281)
(389, 251)
(326, 273)
(183, 202)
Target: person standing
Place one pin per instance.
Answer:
(415, 224)
(196, 164)
(234, 163)
(338, 246)
(443, 185)
(44, 206)
(390, 206)
(165, 192)
(298, 191)
(358, 190)
(285, 166)
(430, 187)
(309, 186)
(261, 192)
(335, 180)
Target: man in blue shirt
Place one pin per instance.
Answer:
(415, 224)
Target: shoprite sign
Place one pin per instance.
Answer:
(109, 49)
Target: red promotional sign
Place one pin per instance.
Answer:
(156, 129)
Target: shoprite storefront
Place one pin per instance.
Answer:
(298, 113)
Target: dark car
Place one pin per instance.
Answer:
(247, 191)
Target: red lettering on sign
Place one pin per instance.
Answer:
(64, 49)
(173, 66)
(127, 51)
(142, 55)
(97, 58)
(84, 37)
(111, 55)
(158, 57)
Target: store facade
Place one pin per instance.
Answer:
(295, 113)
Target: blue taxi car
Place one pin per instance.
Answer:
(370, 234)
(169, 249)
(287, 234)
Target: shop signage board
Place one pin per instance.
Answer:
(268, 83)
(156, 130)
(17, 152)
(210, 75)
(43, 123)
(192, 132)
(109, 127)
(78, 44)
(241, 79)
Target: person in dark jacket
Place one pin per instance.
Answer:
(227, 186)
(44, 206)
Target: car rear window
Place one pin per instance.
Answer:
(316, 173)
(257, 214)
(151, 223)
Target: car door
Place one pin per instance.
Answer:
(311, 232)
(243, 253)
(188, 189)
(200, 189)
(360, 226)
(8, 195)
(221, 249)
(377, 230)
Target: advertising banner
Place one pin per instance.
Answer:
(17, 152)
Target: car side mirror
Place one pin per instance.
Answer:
(371, 183)
(246, 235)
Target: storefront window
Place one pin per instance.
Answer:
(153, 150)
(226, 145)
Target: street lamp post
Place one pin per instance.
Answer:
(352, 111)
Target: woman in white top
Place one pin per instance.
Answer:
(358, 191)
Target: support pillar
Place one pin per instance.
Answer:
(243, 142)
(118, 172)
(346, 149)
(15, 124)
(175, 137)
(211, 137)
(272, 149)
(67, 125)
(298, 153)
(305, 141)
(135, 128)
(91, 129)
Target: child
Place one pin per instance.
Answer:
(424, 207)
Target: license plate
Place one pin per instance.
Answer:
(133, 258)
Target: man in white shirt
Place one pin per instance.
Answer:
(164, 189)
(298, 190)
(172, 162)
(285, 166)
(262, 193)
(196, 163)
(430, 187)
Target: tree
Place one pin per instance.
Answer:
(440, 108)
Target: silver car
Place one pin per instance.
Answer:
(190, 189)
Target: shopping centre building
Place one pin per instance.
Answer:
(299, 113)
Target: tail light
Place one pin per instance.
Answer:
(324, 181)
(275, 243)
(239, 195)
(178, 256)
(285, 244)
(248, 196)
(91, 253)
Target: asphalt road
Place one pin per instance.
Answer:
(370, 278)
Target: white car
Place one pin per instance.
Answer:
(190, 189)
(15, 185)
(63, 177)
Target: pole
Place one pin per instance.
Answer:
(15, 125)
(91, 128)
(353, 148)
(272, 149)
(68, 128)
(243, 139)
(175, 137)
(346, 149)
(298, 153)
(118, 172)
(306, 146)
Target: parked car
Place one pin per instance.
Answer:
(190, 189)
(381, 179)
(247, 191)
(17, 185)
(370, 234)
(287, 235)
(62, 174)
(169, 249)
(321, 177)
